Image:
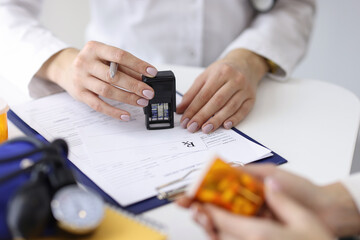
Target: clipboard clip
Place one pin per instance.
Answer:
(175, 193)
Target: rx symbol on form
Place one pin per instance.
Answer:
(188, 144)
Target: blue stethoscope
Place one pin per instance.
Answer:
(262, 6)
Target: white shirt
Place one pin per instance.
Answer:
(186, 32)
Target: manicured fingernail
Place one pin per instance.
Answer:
(152, 71)
(148, 94)
(185, 122)
(193, 127)
(142, 102)
(207, 128)
(125, 118)
(272, 184)
(228, 125)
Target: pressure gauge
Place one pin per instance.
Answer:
(263, 6)
(76, 210)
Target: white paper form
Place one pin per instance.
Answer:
(127, 161)
(136, 170)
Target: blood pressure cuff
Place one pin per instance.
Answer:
(9, 187)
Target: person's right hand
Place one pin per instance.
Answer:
(293, 221)
(85, 75)
(333, 204)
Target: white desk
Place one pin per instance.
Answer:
(312, 124)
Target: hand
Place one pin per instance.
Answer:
(85, 76)
(332, 204)
(224, 93)
(295, 222)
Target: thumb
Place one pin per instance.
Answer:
(182, 106)
(191, 93)
(286, 209)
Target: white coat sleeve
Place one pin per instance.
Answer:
(281, 35)
(24, 43)
(352, 184)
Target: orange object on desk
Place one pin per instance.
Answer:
(3, 121)
(230, 188)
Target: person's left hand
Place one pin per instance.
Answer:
(293, 221)
(224, 93)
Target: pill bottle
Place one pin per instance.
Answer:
(3, 121)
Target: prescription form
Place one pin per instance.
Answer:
(124, 158)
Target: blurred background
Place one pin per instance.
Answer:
(333, 56)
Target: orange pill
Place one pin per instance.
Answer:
(3, 121)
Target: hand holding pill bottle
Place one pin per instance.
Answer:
(3, 121)
(229, 187)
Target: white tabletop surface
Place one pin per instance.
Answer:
(313, 124)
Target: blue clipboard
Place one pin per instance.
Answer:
(135, 208)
